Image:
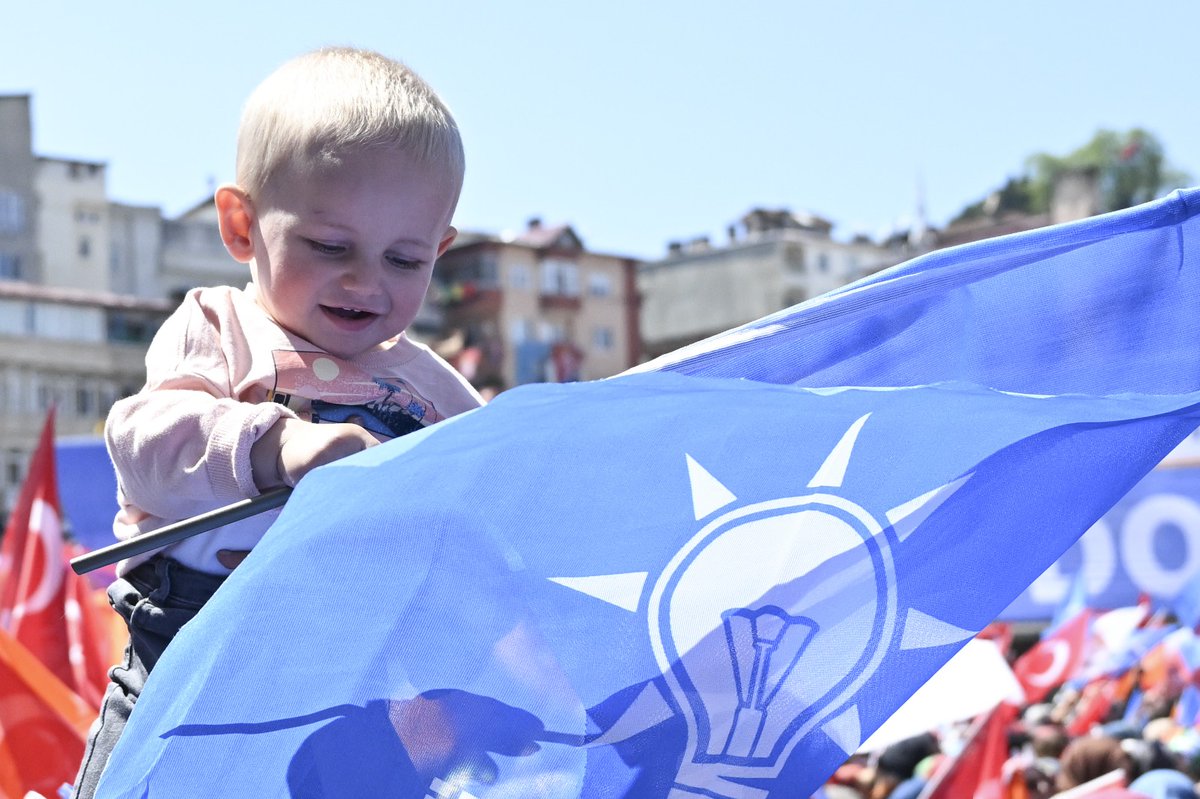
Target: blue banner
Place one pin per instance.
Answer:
(88, 490)
(1148, 544)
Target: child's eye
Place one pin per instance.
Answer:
(403, 263)
(325, 249)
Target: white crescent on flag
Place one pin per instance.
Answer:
(43, 586)
(1060, 655)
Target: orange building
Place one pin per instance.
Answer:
(537, 307)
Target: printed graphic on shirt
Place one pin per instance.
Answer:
(323, 388)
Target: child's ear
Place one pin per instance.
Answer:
(447, 240)
(235, 217)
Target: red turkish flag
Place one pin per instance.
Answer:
(43, 725)
(43, 604)
(1054, 659)
(981, 760)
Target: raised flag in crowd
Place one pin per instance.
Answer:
(1055, 658)
(56, 641)
(981, 759)
(44, 605)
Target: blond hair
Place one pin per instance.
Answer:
(323, 104)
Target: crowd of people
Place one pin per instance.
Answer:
(1132, 734)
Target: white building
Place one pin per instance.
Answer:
(76, 349)
(72, 225)
(18, 254)
(194, 255)
(84, 284)
(771, 261)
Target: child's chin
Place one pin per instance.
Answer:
(349, 348)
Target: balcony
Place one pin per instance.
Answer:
(470, 298)
(561, 302)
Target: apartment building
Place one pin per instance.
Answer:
(18, 254)
(536, 307)
(771, 260)
(79, 350)
(85, 283)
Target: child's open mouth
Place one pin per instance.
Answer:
(351, 314)
(348, 318)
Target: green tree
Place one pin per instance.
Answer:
(1015, 195)
(1130, 168)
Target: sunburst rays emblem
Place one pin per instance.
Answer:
(769, 621)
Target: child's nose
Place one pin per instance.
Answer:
(359, 276)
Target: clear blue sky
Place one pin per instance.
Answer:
(638, 123)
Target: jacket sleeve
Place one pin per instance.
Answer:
(181, 446)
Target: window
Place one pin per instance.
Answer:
(12, 212)
(521, 331)
(560, 278)
(480, 271)
(823, 262)
(569, 280)
(518, 277)
(10, 266)
(599, 284)
(12, 469)
(84, 401)
(793, 258)
(602, 338)
(85, 246)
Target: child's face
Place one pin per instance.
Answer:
(344, 258)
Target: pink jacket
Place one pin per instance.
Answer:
(219, 373)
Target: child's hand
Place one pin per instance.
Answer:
(292, 448)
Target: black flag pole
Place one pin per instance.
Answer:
(174, 533)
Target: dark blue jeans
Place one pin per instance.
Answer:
(156, 599)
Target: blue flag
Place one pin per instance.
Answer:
(1186, 604)
(1074, 603)
(690, 584)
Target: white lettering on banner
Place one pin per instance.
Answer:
(1099, 562)
(1138, 555)
(1137, 543)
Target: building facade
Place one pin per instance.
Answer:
(18, 251)
(537, 307)
(773, 259)
(77, 350)
(84, 284)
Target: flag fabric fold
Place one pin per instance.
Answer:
(43, 725)
(725, 614)
(695, 584)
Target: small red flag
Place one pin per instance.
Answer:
(44, 605)
(1054, 659)
(981, 760)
